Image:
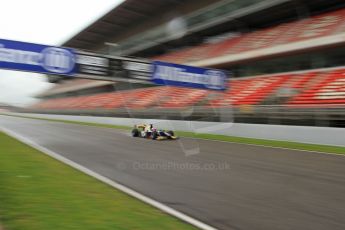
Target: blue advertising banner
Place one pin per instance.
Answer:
(188, 76)
(31, 57)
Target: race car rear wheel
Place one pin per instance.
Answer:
(171, 133)
(135, 133)
(154, 135)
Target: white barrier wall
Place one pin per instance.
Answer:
(305, 134)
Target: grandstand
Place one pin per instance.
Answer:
(5, 107)
(287, 59)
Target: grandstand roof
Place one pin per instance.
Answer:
(70, 86)
(119, 19)
(132, 12)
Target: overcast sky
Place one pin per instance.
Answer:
(43, 22)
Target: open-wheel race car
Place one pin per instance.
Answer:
(147, 131)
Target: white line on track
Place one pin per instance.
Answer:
(273, 147)
(112, 183)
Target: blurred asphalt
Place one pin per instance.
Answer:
(226, 185)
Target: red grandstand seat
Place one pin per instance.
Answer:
(249, 91)
(181, 97)
(329, 90)
(314, 88)
(317, 26)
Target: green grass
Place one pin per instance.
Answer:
(39, 193)
(242, 140)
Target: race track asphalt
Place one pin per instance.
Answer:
(226, 185)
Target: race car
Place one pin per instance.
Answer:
(147, 131)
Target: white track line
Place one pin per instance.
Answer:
(273, 147)
(114, 184)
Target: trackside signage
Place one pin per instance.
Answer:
(31, 57)
(188, 76)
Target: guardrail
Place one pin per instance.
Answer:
(303, 134)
